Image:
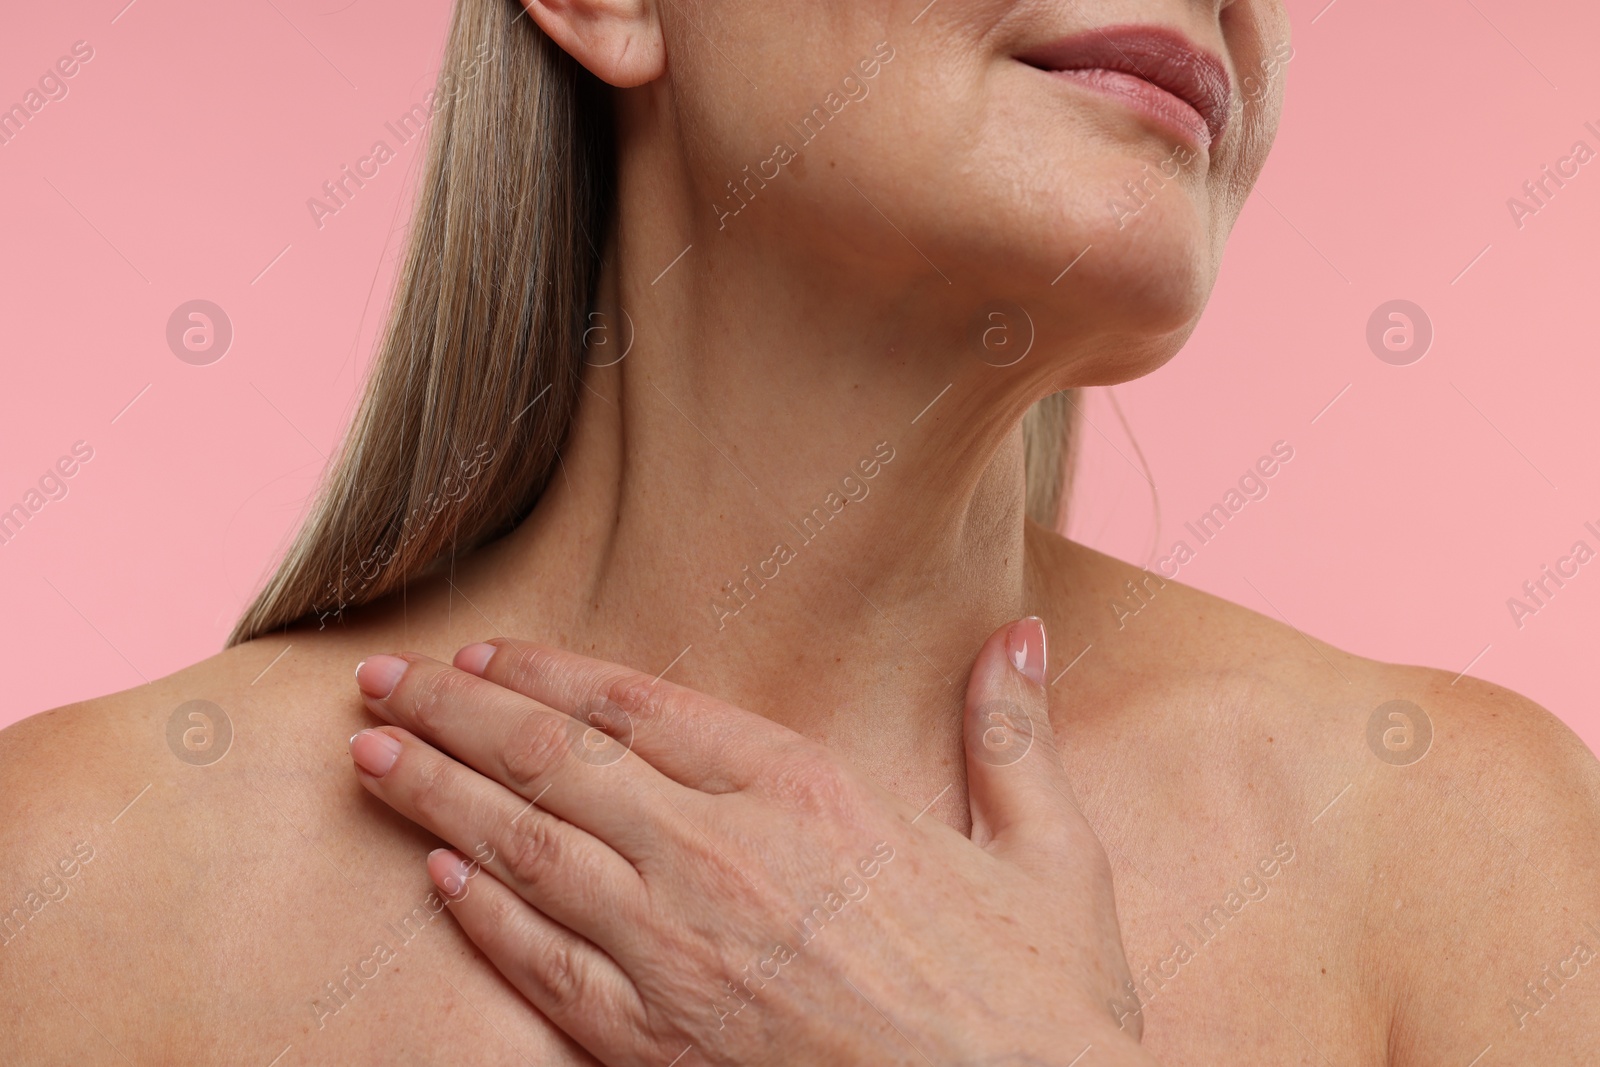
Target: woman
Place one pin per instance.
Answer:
(712, 356)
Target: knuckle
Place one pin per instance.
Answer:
(532, 849)
(562, 975)
(431, 793)
(538, 743)
(499, 917)
(819, 786)
(525, 666)
(435, 695)
(641, 698)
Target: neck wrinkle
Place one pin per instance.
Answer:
(756, 449)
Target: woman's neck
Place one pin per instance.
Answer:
(792, 493)
(763, 558)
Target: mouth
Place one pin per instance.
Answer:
(1155, 70)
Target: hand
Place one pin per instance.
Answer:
(669, 872)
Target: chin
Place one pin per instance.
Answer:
(1126, 362)
(1132, 213)
(1138, 291)
(1152, 259)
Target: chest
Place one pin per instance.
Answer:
(1249, 924)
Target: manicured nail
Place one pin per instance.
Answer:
(378, 676)
(374, 752)
(447, 872)
(1025, 646)
(474, 659)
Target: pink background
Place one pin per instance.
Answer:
(179, 164)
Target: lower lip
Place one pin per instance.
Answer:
(1148, 99)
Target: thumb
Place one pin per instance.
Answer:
(1015, 780)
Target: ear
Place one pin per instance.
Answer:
(618, 41)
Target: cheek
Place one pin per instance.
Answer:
(1261, 46)
(1020, 185)
(981, 168)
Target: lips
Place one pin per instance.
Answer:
(1191, 84)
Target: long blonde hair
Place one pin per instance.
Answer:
(478, 373)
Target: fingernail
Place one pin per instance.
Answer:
(447, 872)
(374, 752)
(474, 659)
(378, 676)
(1025, 646)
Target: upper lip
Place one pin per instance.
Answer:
(1162, 57)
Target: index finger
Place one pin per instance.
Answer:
(697, 740)
(580, 775)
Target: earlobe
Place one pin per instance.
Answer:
(618, 41)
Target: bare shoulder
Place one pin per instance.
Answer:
(110, 848)
(66, 764)
(194, 875)
(1446, 829)
(76, 772)
(1492, 847)
(1171, 634)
